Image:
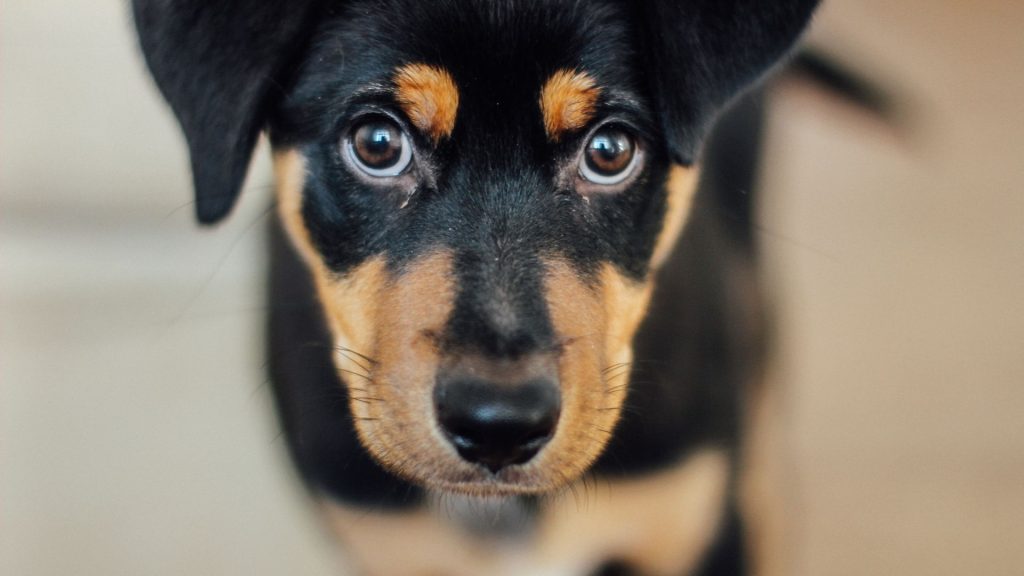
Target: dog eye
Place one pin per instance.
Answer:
(609, 157)
(379, 147)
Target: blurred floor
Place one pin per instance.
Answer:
(135, 432)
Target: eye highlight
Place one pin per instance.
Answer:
(378, 147)
(609, 156)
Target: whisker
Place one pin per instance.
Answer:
(365, 400)
(614, 366)
(346, 353)
(357, 353)
(616, 388)
(617, 375)
(354, 373)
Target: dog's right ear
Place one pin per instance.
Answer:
(706, 52)
(219, 63)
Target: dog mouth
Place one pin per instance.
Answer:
(463, 417)
(492, 449)
(471, 432)
(480, 431)
(480, 482)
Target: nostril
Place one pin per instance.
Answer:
(497, 425)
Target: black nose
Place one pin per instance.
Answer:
(497, 424)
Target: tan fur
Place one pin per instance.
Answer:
(597, 325)
(626, 303)
(347, 301)
(682, 185)
(661, 524)
(290, 175)
(374, 316)
(397, 426)
(417, 543)
(590, 402)
(567, 102)
(429, 97)
(391, 320)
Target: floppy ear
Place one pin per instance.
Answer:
(704, 52)
(218, 63)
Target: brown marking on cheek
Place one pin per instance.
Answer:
(681, 186)
(396, 426)
(625, 302)
(567, 102)
(429, 97)
(290, 176)
(351, 304)
(591, 401)
(349, 301)
(382, 328)
(598, 324)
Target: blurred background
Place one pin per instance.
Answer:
(136, 434)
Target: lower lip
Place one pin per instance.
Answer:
(485, 484)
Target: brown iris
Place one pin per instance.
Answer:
(608, 154)
(378, 145)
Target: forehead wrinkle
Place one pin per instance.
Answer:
(617, 98)
(370, 90)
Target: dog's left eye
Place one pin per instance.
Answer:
(609, 157)
(379, 147)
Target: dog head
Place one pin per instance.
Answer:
(482, 191)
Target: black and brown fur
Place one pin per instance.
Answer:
(490, 251)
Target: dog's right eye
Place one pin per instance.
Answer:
(379, 147)
(609, 157)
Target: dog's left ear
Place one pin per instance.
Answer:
(220, 64)
(702, 53)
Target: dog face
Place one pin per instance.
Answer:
(480, 205)
(482, 191)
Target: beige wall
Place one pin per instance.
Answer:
(899, 269)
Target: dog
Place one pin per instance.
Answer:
(507, 335)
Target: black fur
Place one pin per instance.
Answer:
(311, 402)
(224, 65)
(493, 193)
(696, 333)
(221, 66)
(705, 51)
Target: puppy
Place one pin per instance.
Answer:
(489, 354)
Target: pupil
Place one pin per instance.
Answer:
(609, 152)
(377, 145)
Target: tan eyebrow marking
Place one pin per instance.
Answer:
(429, 97)
(567, 102)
